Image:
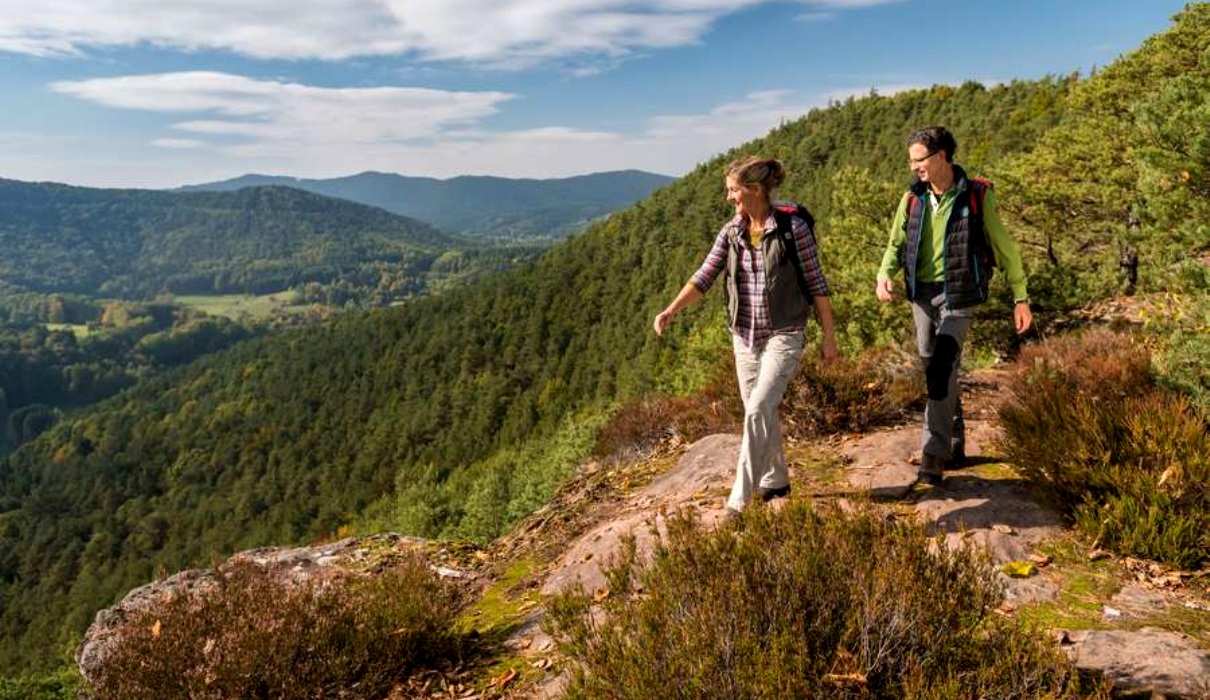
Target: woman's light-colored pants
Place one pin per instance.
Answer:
(763, 376)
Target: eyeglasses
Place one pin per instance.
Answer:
(921, 159)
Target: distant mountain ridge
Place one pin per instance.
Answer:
(138, 243)
(480, 205)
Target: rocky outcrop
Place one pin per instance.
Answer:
(292, 565)
(1147, 663)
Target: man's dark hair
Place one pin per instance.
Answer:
(935, 138)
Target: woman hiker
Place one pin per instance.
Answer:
(772, 279)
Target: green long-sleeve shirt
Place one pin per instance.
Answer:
(930, 265)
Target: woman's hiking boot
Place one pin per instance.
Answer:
(931, 469)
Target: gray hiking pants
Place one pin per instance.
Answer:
(939, 336)
(763, 376)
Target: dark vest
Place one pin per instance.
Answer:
(967, 255)
(785, 291)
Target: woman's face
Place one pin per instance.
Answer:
(745, 198)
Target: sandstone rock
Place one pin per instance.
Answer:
(708, 465)
(1149, 661)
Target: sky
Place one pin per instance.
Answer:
(162, 93)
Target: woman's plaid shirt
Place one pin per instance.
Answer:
(752, 323)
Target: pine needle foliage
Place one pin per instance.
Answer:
(1127, 459)
(804, 604)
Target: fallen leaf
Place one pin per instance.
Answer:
(1040, 559)
(504, 679)
(155, 630)
(1019, 569)
(541, 664)
(1097, 555)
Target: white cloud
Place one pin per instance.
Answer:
(242, 111)
(498, 32)
(183, 144)
(231, 124)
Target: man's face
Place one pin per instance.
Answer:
(925, 163)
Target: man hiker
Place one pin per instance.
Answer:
(947, 236)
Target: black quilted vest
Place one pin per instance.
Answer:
(967, 255)
(785, 289)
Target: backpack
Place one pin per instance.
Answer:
(783, 212)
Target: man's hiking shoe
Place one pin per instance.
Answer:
(767, 495)
(957, 460)
(930, 470)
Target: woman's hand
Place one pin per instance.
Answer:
(662, 319)
(687, 296)
(828, 350)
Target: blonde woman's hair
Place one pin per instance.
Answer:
(769, 173)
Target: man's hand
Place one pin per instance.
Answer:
(1022, 316)
(885, 290)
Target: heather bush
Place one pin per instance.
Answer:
(803, 604)
(850, 395)
(641, 424)
(1127, 459)
(250, 635)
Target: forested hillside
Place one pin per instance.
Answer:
(139, 243)
(485, 206)
(459, 413)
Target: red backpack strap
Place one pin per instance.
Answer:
(915, 201)
(979, 187)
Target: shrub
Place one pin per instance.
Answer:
(643, 424)
(1128, 460)
(850, 395)
(61, 685)
(251, 636)
(1183, 363)
(807, 605)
